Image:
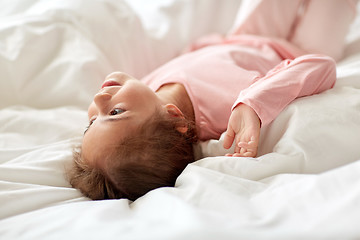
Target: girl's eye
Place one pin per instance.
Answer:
(116, 111)
(90, 123)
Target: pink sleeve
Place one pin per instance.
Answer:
(303, 76)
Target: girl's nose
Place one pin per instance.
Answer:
(101, 100)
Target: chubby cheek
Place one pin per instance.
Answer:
(92, 110)
(144, 95)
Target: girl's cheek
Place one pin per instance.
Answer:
(91, 110)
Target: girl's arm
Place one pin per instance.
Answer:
(291, 79)
(262, 102)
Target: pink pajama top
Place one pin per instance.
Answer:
(265, 74)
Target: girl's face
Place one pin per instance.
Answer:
(121, 106)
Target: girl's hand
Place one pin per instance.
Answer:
(244, 128)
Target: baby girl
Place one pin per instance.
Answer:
(141, 133)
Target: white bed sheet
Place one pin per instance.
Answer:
(53, 56)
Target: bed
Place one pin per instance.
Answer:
(305, 183)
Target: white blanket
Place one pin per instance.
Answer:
(305, 184)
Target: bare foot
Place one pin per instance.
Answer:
(244, 128)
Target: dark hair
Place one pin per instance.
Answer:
(152, 157)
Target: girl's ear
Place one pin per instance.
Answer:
(173, 111)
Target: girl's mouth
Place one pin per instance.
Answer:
(109, 83)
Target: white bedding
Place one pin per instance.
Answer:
(54, 55)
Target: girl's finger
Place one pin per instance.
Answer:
(229, 138)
